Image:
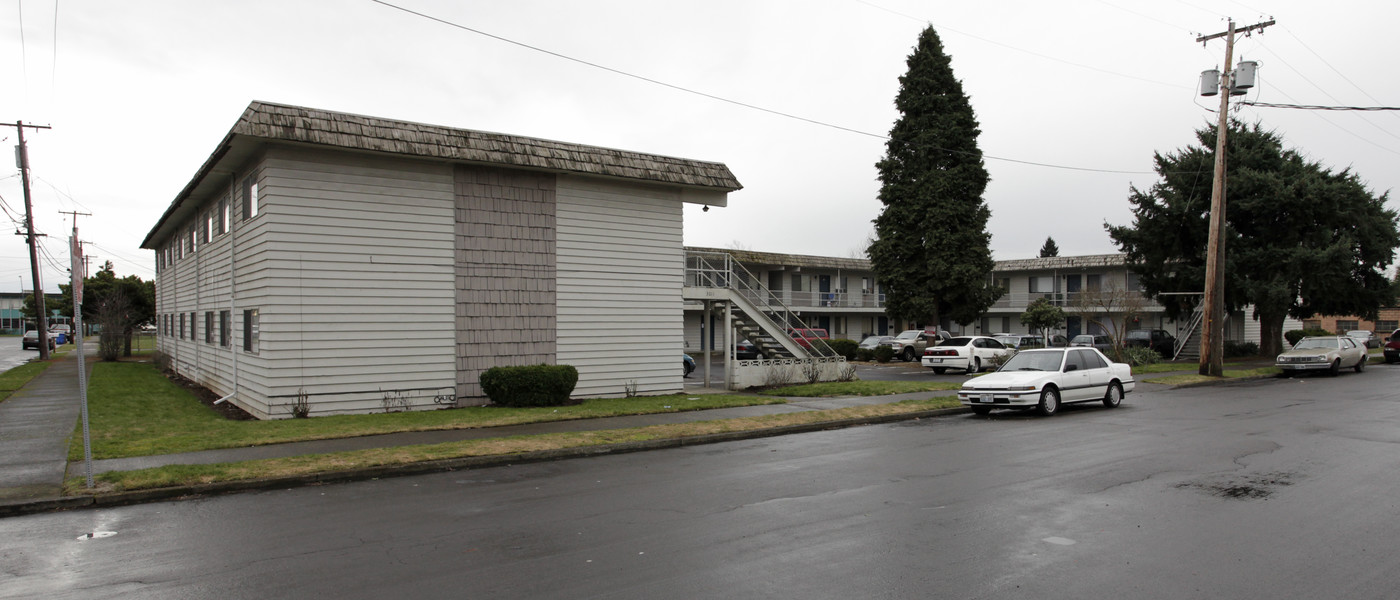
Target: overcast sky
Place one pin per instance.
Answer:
(139, 93)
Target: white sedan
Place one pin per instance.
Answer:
(1046, 378)
(970, 353)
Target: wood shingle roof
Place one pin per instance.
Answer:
(343, 130)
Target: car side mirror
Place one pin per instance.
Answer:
(1069, 368)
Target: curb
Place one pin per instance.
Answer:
(442, 466)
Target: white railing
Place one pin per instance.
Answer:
(720, 270)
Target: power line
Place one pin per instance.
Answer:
(1320, 107)
(735, 102)
(1022, 50)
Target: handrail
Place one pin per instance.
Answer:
(720, 270)
(1196, 317)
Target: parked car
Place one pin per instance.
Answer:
(1323, 353)
(745, 350)
(804, 337)
(1102, 343)
(969, 353)
(62, 328)
(1392, 347)
(1368, 339)
(688, 365)
(1027, 341)
(909, 345)
(1157, 339)
(31, 340)
(1046, 378)
(875, 341)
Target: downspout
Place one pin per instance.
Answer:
(232, 233)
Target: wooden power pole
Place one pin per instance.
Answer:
(22, 157)
(1213, 330)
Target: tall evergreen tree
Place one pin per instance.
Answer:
(931, 249)
(1300, 239)
(1050, 248)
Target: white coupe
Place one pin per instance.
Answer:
(1046, 378)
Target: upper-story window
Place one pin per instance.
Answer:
(250, 197)
(223, 222)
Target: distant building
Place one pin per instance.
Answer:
(374, 264)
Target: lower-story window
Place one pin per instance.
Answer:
(250, 330)
(208, 326)
(224, 328)
(182, 326)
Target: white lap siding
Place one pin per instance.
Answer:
(620, 270)
(352, 276)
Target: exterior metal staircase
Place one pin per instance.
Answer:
(1188, 345)
(760, 315)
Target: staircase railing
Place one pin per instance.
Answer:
(1192, 326)
(720, 270)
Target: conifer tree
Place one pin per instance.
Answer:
(1049, 249)
(931, 250)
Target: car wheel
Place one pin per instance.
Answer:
(982, 411)
(975, 366)
(1114, 397)
(908, 355)
(1361, 366)
(1336, 368)
(940, 370)
(1049, 401)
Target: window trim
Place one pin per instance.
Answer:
(252, 325)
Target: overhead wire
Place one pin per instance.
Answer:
(1321, 89)
(728, 100)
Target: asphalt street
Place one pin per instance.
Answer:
(1277, 488)
(12, 355)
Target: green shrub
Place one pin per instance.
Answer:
(883, 354)
(844, 347)
(1138, 356)
(1235, 349)
(865, 354)
(534, 385)
(1297, 334)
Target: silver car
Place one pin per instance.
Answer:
(1323, 353)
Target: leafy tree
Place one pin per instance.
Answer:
(138, 301)
(1042, 315)
(1300, 238)
(1049, 249)
(931, 248)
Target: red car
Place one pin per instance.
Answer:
(1392, 347)
(803, 337)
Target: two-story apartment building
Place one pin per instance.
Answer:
(843, 296)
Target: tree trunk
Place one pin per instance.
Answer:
(1270, 332)
(128, 343)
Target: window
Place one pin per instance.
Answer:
(194, 329)
(1312, 324)
(194, 238)
(224, 318)
(1134, 282)
(208, 226)
(796, 282)
(182, 326)
(1093, 283)
(1385, 327)
(208, 326)
(1041, 284)
(865, 285)
(250, 330)
(250, 197)
(223, 216)
(1345, 326)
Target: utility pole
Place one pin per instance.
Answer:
(1213, 330)
(22, 158)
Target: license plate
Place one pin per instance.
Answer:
(984, 398)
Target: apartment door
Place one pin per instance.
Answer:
(882, 326)
(1072, 327)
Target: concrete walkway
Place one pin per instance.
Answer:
(35, 425)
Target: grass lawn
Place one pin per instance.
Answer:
(861, 388)
(15, 378)
(135, 411)
(322, 463)
(1229, 374)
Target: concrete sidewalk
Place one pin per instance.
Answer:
(35, 425)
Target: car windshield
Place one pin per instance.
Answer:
(1035, 361)
(1359, 333)
(1316, 343)
(871, 341)
(908, 335)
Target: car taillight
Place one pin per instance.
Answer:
(933, 352)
